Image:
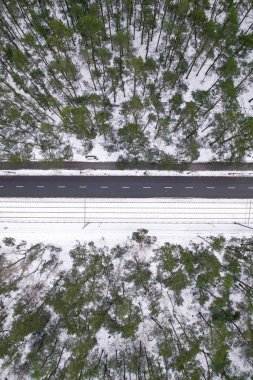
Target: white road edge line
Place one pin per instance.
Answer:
(146, 187)
(168, 187)
(19, 186)
(82, 187)
(125, 187)
(231, 187)
(248, 187)
(1, 186)
(40, 186)
(210, 187)
(103, 187)
(61, 187)
(189, 187)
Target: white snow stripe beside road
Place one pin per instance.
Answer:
(141, 211)
(99, 172)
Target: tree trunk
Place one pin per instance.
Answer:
(109, 23)
(147, 47)
(244, 79)
(161, 27)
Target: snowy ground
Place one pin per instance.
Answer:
(205, 154)
(109, 221)
(133, 172)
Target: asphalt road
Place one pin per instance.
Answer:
(125, 187)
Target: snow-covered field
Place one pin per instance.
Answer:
(63, 221)
(137, 211)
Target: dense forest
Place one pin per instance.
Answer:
(149, 79)
(138, 310)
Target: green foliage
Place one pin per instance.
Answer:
(65, 67)
(186, 356)
(218, 243)
(165, 162)
(139, 273)
(132, 136)
(177, 281)
(228, 281)
(78, 120)
(9, 241)
(220, 360)
(166, 257)
(30, 323)
(225, 315)
(142, 238)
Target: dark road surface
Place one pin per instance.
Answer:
(125, 187)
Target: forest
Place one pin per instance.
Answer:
(138, 310)
(150, 80)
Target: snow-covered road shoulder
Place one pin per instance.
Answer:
(133, 172)
(65, 220)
